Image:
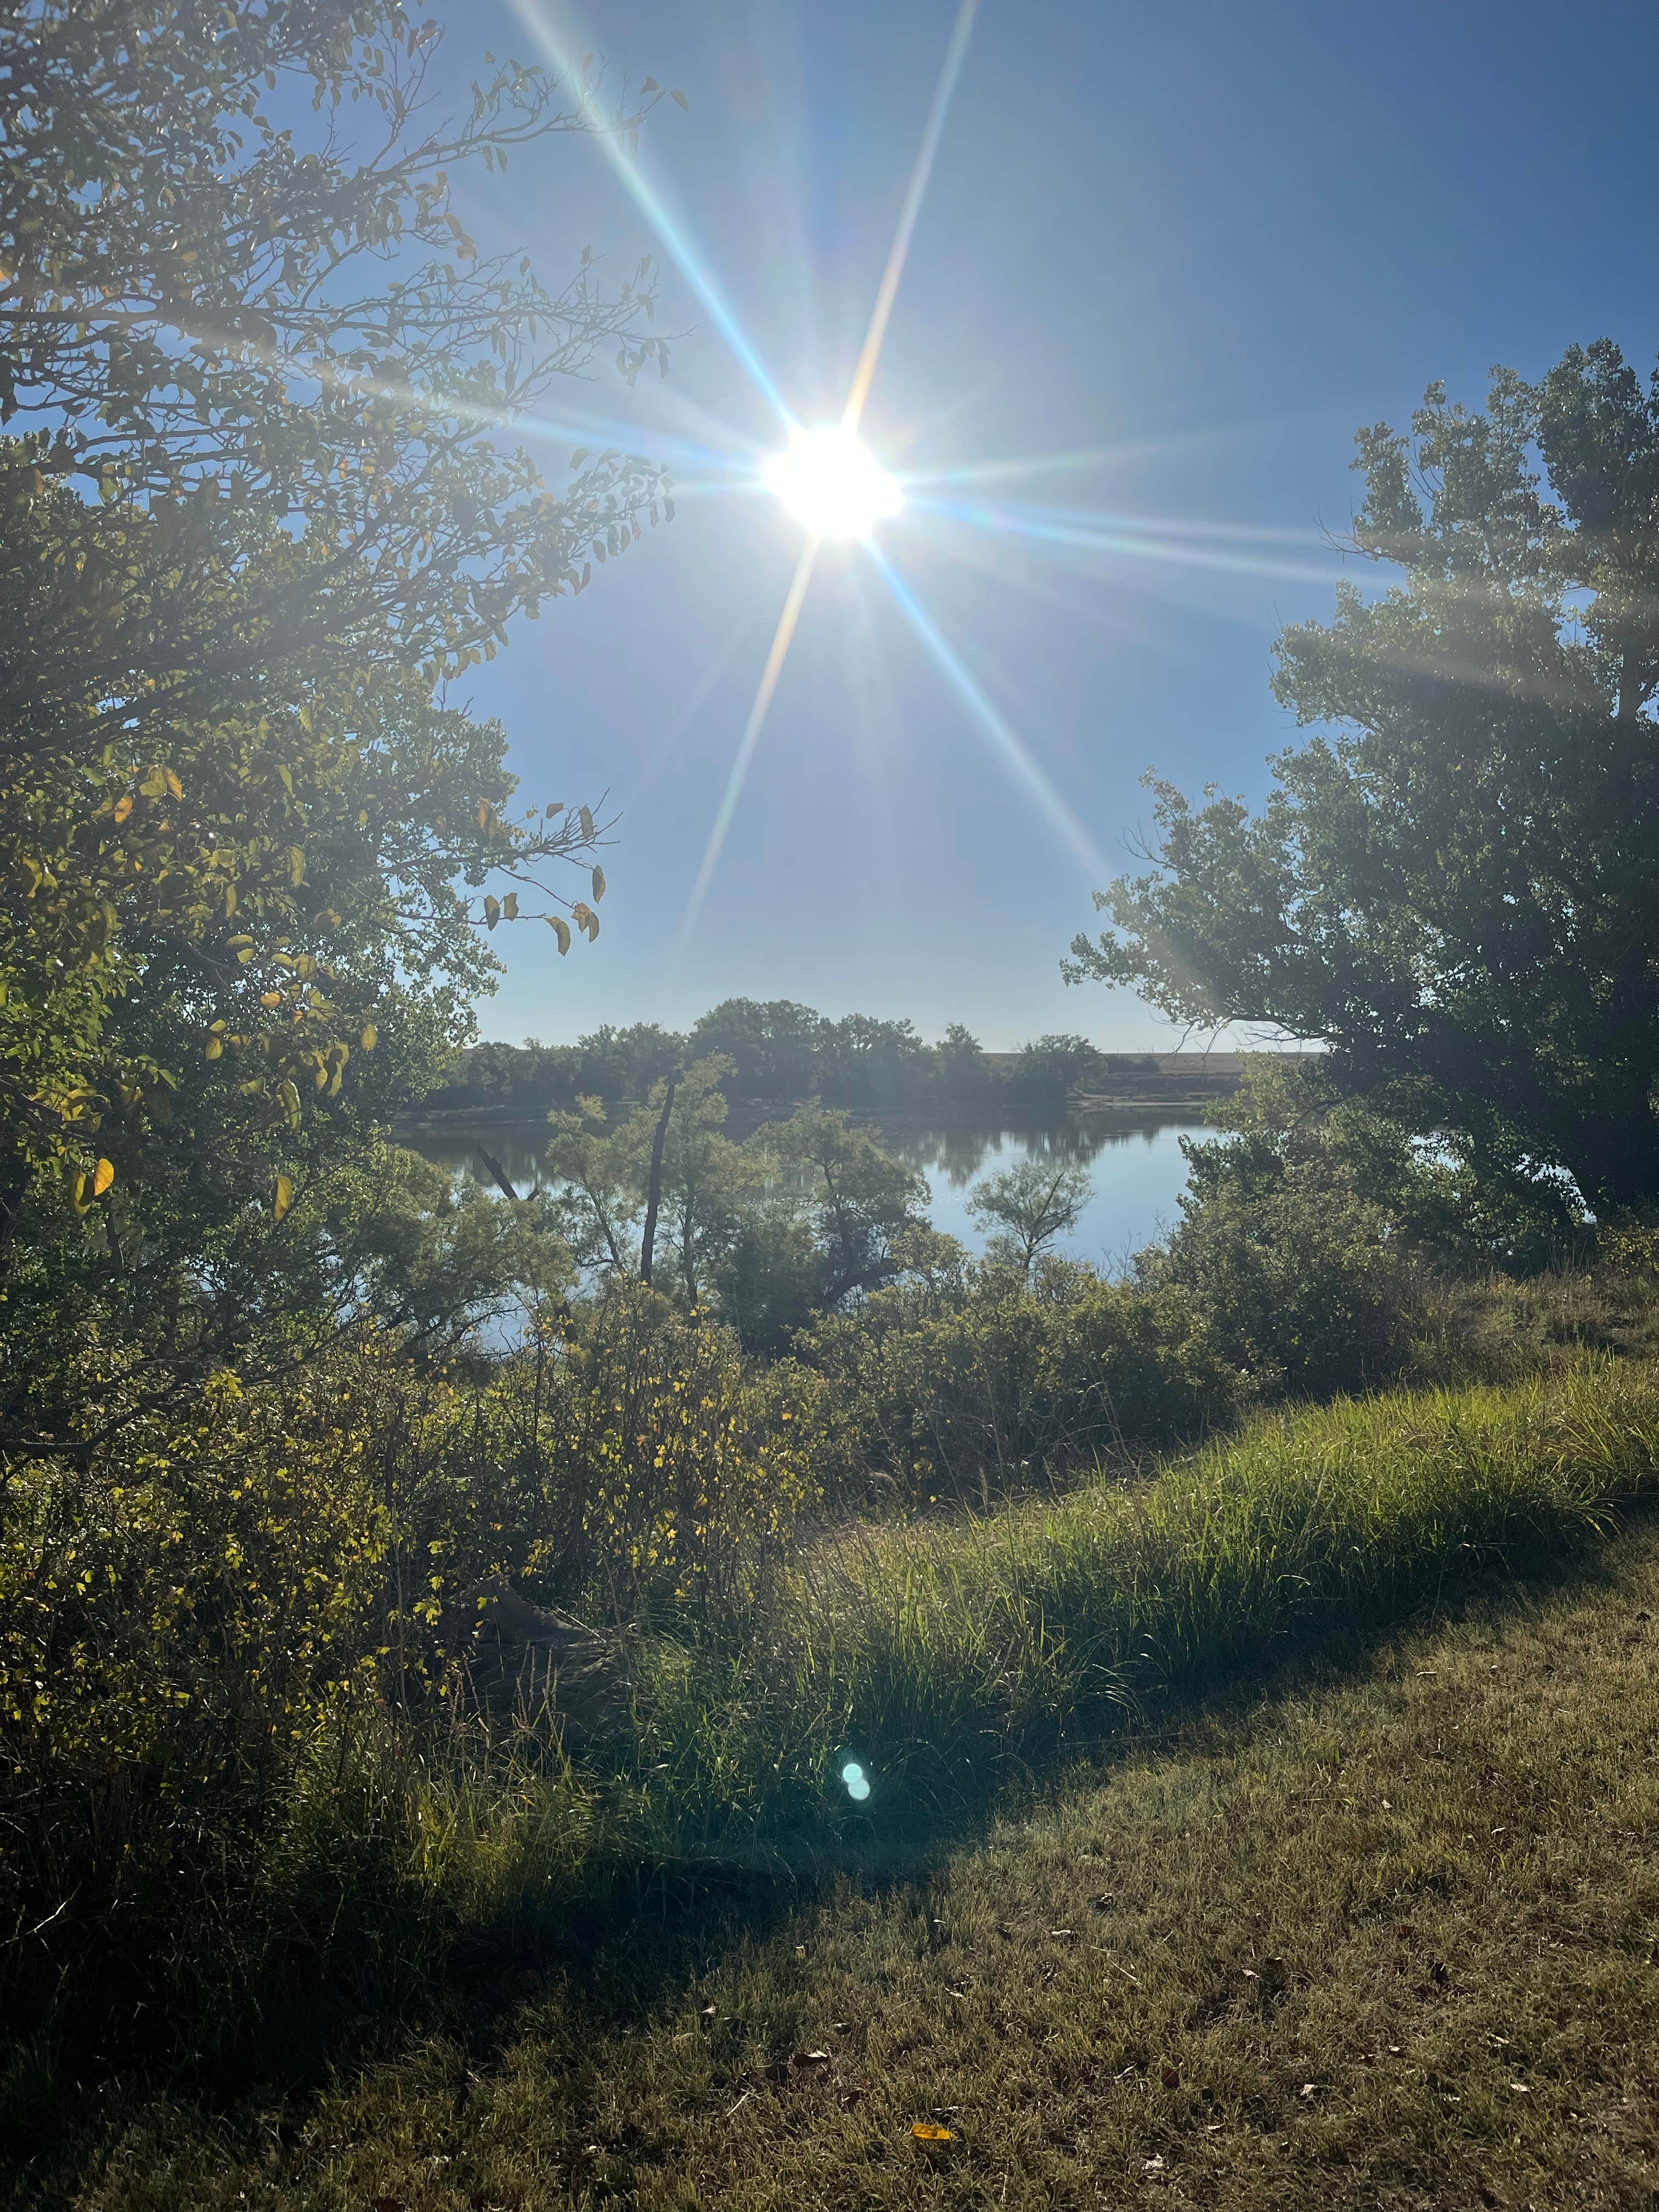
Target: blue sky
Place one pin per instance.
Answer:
(1200, 243)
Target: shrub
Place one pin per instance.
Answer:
(1307, 1287)
(972, 1383)
(674, 1471)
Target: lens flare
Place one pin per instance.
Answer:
(857, 1781)
(832, 484)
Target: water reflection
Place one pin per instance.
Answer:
(1134, 1160)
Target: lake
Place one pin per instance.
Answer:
(1133, 1158)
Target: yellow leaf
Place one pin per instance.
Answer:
(270, 998)
(680, 97)
(123, 808)
(492, 912)
(561, 929)
(285, 1198)
(587, 822)
(102, 1176)
(926, 2131)
(173, 784)
(290, 1098)
(371, 1036)
(598, 883)
(510, 906)
(215, 1047)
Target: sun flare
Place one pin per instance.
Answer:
(831, 482)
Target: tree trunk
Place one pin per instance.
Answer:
(653, 1189)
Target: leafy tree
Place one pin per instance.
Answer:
(254, 505)
(600, 1196)
(863, 1061)
(1048, 1070)
(965, 1073)
(861, 1200)
(1030, 1205)
(1455, 884)
(705, 1178)
(773, 1046)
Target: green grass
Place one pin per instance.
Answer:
(946, 1659)
(1388, 1941)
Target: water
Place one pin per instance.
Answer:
(1135, 1164)
(1134, 1161)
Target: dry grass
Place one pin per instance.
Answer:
(1385, 1943)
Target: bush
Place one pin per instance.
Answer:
(968, 1381)
(673, 1470)
(1307, 1287)
(240, 1750)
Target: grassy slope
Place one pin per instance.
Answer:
(1386, 1942)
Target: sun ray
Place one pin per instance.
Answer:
(675, 734)
(781, 638)
(1140, 542)
(656, 212)
(995, 725)
(1084, 457)
(887, 291)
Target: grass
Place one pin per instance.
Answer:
(947, 1660)
(1386, 1941)
(413, 1870)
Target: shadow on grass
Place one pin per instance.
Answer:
(610, 1960)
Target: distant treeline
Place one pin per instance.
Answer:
(783, 1053)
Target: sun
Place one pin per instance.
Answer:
(831, 482)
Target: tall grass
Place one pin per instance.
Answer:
(943, 1660)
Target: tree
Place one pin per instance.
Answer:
(254, 506)
(1455, 884)
(705, 1178)
(1048, 1070)
(861, 1199)
(1032, 1204)
(965, 1074)
(600, 1197)
(773, 1044)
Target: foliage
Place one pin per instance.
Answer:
(1455, 886)
(965, 1381)
(780, 1053)
(254, 506)
(859, 1200)
(1050, 1069)
(1029, 1204)
(675, 1473)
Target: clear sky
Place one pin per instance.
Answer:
(1192, 247)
